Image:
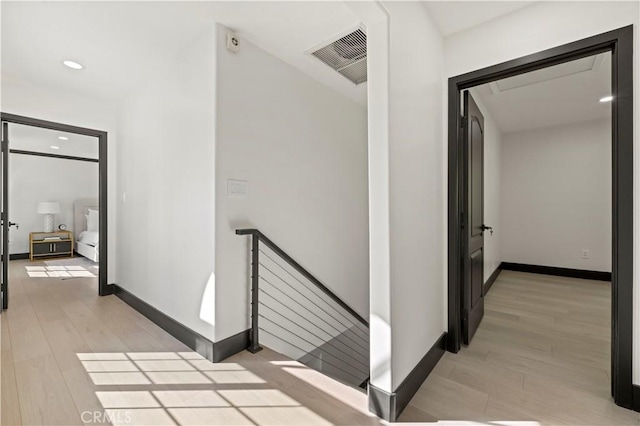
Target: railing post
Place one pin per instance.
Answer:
(254, 345)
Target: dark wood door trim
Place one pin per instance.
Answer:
(620, 43)
(4, 216)
(103, 287)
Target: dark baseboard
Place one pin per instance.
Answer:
(389, 406)
(492, 278)
(383, 404)
(195, 341)
(560, 272)
(636, 398)
(214, 352)
(230, 346)
(419, 374)
(19, 256)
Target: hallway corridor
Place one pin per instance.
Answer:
(540, 357)
(70, 357)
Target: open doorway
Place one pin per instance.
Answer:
(53, 205)
(539, 148)
(466, 304)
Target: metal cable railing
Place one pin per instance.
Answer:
(293, 313)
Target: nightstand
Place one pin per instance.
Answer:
(47, 245)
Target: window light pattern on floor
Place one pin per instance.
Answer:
(169, 388)
(58, 272)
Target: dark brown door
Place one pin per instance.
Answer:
(473, 218)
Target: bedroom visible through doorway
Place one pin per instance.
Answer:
(52, 190)
(53, 200)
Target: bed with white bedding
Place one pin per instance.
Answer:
(86, 228)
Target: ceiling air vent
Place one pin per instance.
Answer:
(347, 55)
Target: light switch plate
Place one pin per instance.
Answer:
(237, 188)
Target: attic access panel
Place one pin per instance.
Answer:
(347, 56)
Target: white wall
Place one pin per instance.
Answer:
(70, 108)
(416, 182)
(556, 196)
(492, 191)
(33, 179)
(406, 184)
(303, 150)
(166, 188)
(541, 26)
(377, 23)
(301, 147)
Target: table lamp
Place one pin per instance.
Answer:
(48, 209)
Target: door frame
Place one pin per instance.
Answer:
(620, 43)
(103, 287)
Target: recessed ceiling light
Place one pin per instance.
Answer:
(55, 147)
(63, 138)
(73, 64)
(606, 99)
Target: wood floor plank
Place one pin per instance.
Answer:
(40, 296)
(10, 404)
(94, 332)
(134, 330)
(20, 304)
(553, 333)
(446, 399)
(483, 376)
(559, 409)
(511, 409)
(65, 343)
(591, 378)
(596, 402)
(44, 396)
(27, 337)
(83, 392)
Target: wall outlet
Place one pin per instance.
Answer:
(585, 254)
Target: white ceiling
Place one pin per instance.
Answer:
(121, 43)
(563, 94)
(29, 138)
(453, 16)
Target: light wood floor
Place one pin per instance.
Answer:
(541, 355)
(66, 351)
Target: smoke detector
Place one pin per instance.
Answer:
(346, 55)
